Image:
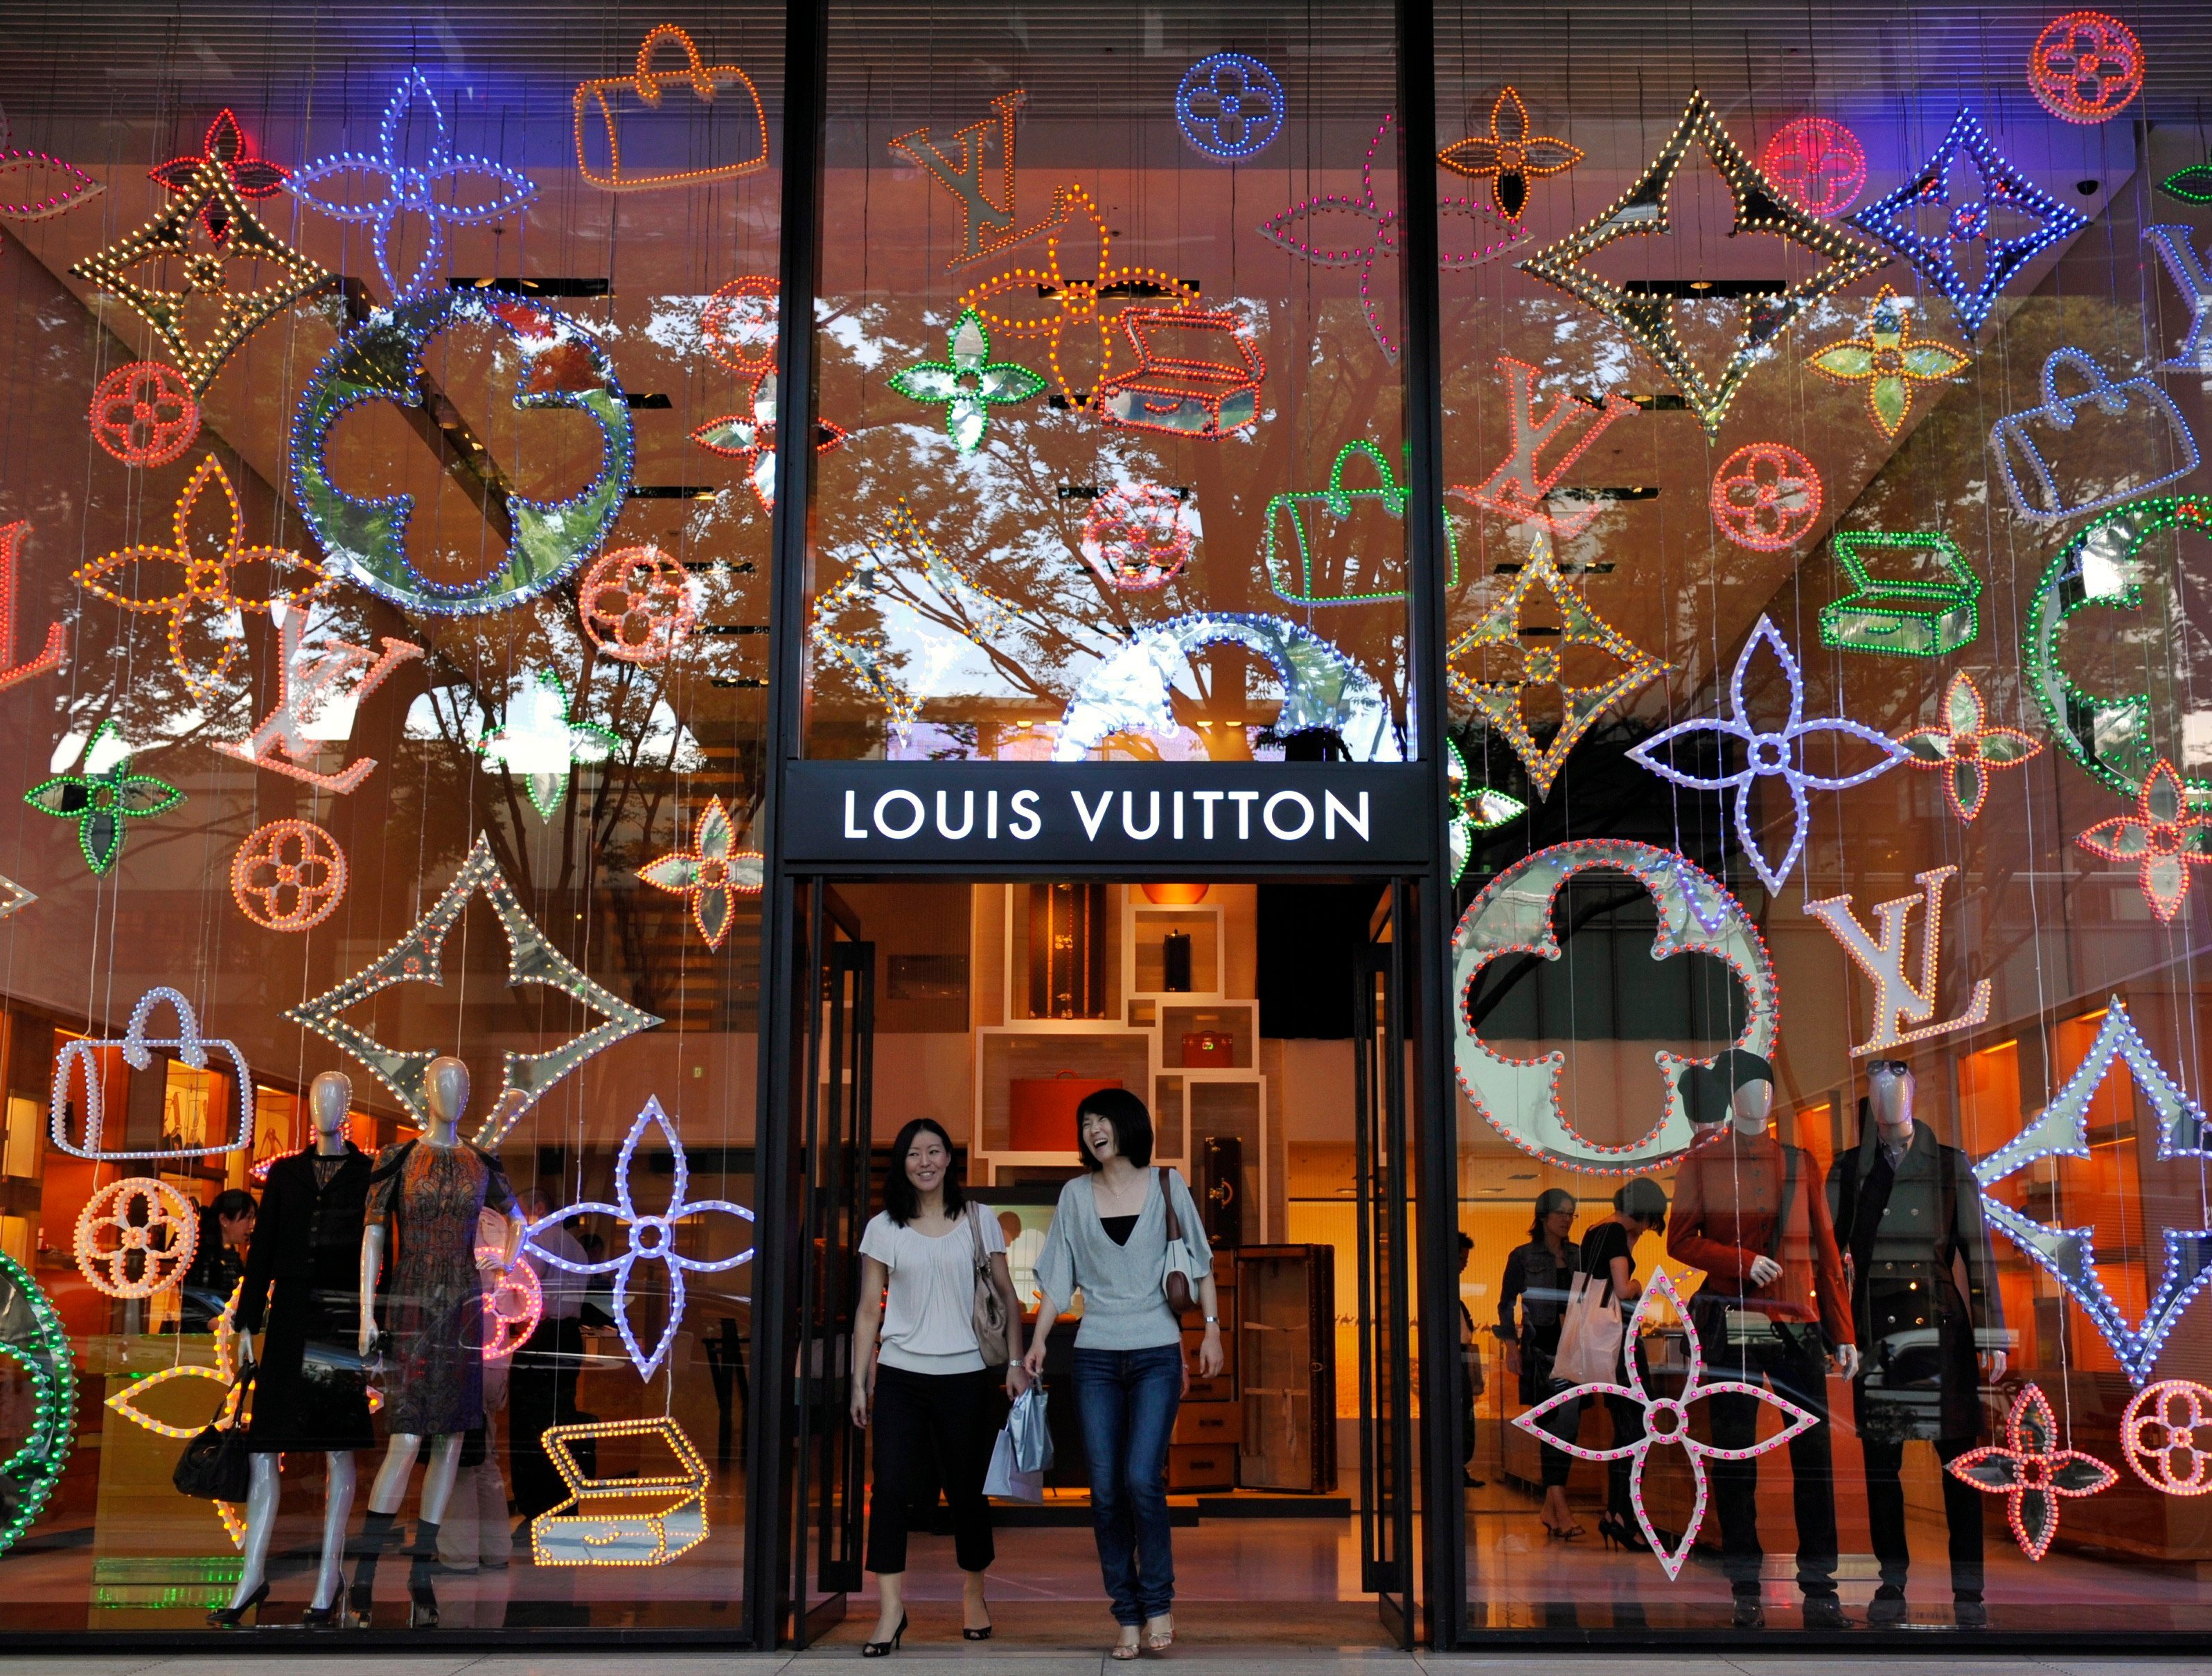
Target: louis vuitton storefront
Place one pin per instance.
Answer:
(1565, 636)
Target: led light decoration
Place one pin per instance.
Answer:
(2086, 67)
(1518, 490)
(1513, 916)
(418, 957)
(513, 1306)
(1667, 1420)
(986, 223)
(738, 325)
(648, 1519)
(14, 896)
(1648, 317)
(1778, 753)
(103, 802)
(544, 744)
(711, 875)
(2030, 1473)
(969, 384)
(1903, 1010)
(1909, 615)
(2068, 1255)
(189, 582)
(1888, 360)
(1074, 300)
(1368, 226)
(1134, 538)
(753, 440)
(188, 1045)
(143, 414)
(288, 876)
(562, 366)
(209, 206)
(1965, 749)
(2191, 185)
(1355, 580)
(33, 187)
(227, 151)
(313, 706)
(1499, 703)
(2162, 837)
(1509, 156)
(1819, 162)
(1897, 219)
(126, 1403)
(2040, 486)
(1185, 394)
(901, 546)
(1229, 105)
(1130, 690)
(2159, 1433)
(442, 189)
(635, 603)
(49, 656)
(651, 1237)
(135, 1238)
(33, 1337)
(1766, 496)
(712, 84)
(2103, 565)
(2192, 276)
(1474, 809)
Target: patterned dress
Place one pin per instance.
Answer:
(432, 1307)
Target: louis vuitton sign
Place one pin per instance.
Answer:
(1031, 814)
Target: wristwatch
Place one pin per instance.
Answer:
(1213, 1320)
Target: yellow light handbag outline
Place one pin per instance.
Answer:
(648, 1519)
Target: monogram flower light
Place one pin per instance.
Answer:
(1965, 748)
(227, 150)
(651, 1237)
(968, 383)
(1667, 1420)
(105, 798)
(1888, 360)
(544, 744)
(2162, 836)
(711, 875)
(442, 189)
(1777, 753)
(1510, 155)
(2031, 1473)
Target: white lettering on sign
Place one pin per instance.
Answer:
(912, 827)
(968, 814)
(1023, 806)
(1305, 811)
(1334, 808)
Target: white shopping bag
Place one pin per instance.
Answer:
(1032, 1438)
(1006, 1480)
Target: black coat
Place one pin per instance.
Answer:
(305, 1232)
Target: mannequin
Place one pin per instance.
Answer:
(1917, 1259)
(310, 1391)
(436, 1185)
(1772, 1311)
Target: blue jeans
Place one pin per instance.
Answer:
(1127, 1401)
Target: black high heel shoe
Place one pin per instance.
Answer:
(320, 1617)
(228, 1617)
(983, 1634)
(876, 1649)
(422, 1607)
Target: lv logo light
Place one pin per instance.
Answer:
(311, 708)
(1517, 488)
(1902, 1008)
(2192, 276)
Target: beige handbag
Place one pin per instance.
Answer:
(993, 1332)
(652, 108)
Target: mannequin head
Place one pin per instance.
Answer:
(445, 1092)
(1889, 1096)
(1737, 1088)
(329, 1097)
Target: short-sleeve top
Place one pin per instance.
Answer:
(1602, 1244)
(929, 1322)
(1124, 1307)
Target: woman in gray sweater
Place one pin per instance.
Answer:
(1109, 1237)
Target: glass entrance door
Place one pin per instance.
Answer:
(836, 1094)
(1387, 1468)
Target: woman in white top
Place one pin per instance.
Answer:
(918, 1372)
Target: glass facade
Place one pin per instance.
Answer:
(1677, 884)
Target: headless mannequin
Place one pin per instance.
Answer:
(445, 1092)
(329, 1097)
(1748, 1112)
(1889, 1097)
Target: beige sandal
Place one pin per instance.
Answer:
(1126, 1650)
(1161, 1641)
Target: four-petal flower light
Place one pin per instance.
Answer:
(1474, 809)
(545, 743)
(2031, 1473)
(969, 383)
(1965, 748)
(441, 189)
(650, 1236)
(711, 875)
(1667, 1420)
(226, 148)
(1777, 753)
(2162, 835)
(1510, 155)
(1888, 360)
(105, 798)
(1230, 105)
(1335, 230)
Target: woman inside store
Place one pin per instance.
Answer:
(218, 1260)
(1119, 1232)
(1536, 1277)
(1609, 1257)
(919, 1373)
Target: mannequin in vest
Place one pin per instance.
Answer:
(1772, 1311)
(310, 1389)
(1923, 1297)
(429, 1336)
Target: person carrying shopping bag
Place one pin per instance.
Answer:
(933, 1261)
